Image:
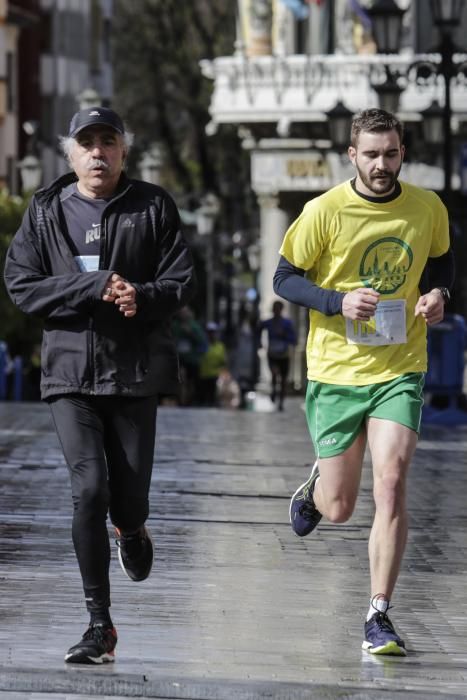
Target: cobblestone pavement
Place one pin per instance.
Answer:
(237, 605)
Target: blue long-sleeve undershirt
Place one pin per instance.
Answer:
(290, 283)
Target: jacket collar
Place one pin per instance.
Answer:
(46, 195)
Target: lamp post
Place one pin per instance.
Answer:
(386, 18)
(30, 166)
(89, 98)
(151, 163)
(31, 173)
(447, 22)
(254, 261)
(433, 120)
(339, 118)
(206, 216)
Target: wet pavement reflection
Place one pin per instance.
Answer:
(235, 597)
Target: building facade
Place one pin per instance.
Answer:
(14, 17)
(75, 59)
(53, 54)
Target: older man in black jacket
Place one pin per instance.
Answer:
(101, 258)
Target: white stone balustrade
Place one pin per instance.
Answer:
(303, 88)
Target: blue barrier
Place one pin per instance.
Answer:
(11, 375)
(446, 346)
(3, 370)
(17, 378)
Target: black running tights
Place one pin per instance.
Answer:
(108, 444)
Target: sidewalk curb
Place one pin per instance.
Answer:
(79, 681)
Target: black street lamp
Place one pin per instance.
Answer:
(447, 13)
(31, 173)
(339, 125)
(206, 218)
(432, 124)
(30, 166)
(386, 17)
(388, 91)
(447, 17)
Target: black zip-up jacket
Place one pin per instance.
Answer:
(88, 346)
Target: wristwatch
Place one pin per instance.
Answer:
(445, 293)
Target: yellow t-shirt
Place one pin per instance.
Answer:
(345, 242)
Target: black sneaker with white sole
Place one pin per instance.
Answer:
(303, 514)
(97, 646)
(381, 637)
(135, 553)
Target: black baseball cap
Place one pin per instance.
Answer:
(95, 115)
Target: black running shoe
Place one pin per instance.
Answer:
(381, 637)
(303, 514)
(96, 647)
(135, 553)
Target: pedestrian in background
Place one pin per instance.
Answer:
(213, 362)
(355, 257)
(244, 361)
(102, 259)
(191, 343)
(32, 375)
(281, 337)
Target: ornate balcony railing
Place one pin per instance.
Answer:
(303, 88)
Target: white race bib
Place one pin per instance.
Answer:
(88, 263)
(387, 327)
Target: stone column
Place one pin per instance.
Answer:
(274, 222)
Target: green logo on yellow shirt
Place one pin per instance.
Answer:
(385, 264)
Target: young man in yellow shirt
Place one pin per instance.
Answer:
(355, 257)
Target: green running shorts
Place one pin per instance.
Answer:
(336, 414)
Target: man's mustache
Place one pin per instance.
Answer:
(97, 163)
